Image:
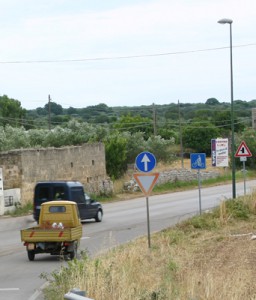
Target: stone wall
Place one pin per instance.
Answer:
(23, 168)
(173, 176)
(185, 175)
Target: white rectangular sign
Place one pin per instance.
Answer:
(220, 152)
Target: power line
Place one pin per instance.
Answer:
(121, 57)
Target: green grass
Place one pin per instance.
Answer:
(21, 210)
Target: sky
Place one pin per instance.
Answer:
(126, 53)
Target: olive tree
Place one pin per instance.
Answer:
(198, 136)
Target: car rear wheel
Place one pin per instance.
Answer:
(99, 216)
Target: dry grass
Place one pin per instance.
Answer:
(187, 165)
(184, 263)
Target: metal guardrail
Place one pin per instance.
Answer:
(76, 294)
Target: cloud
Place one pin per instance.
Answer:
(65, 29)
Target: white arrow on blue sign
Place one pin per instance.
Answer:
(145, 162)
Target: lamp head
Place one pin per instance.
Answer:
(225, 21)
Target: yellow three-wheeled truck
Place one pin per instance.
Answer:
(58, 233)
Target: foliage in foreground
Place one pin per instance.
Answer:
(178, 265)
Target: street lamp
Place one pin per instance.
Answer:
(229, 21)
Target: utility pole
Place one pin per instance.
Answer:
(49, 112)
(154, 119)
(254, 118)
(181, 145)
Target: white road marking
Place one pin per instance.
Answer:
(39, 292)
(85, 237)
(9, 289)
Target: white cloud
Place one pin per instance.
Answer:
(65, 29)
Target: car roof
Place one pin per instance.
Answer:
(59, 182)
(59, 203)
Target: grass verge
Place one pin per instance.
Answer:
(210, 256)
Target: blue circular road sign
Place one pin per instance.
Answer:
(145, 162)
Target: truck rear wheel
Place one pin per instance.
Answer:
(73, 253)
(31, 255)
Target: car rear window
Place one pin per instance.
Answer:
(57, 209)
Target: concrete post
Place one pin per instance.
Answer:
(1, 193)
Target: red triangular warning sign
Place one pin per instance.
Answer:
(146, 182)
(243, 151)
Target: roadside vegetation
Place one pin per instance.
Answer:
(127, 131)
(21, 210)
(211, 256)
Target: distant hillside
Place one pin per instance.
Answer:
(172, 112)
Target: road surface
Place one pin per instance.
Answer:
(122, 222)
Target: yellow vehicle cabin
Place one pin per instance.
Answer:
(65, 212)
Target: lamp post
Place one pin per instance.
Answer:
(229, 21)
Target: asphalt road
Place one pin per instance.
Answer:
(122, 222)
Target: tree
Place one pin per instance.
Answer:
(222, 120)
(160, 147)
(135, 144)
(42, 111)
(135, 124)
(11, 111)
(167, 133)
(212, 101)
(71, 111)
(54, 108)
(198, 136)
(116, 155)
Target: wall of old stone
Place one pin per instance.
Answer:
(173, 176)
(11, 165)
(23, 168)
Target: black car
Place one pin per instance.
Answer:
(67, 190)
(90, 210)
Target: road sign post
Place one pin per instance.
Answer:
(244, 159)
(198, 162)
(148, 223)
(243, 152)
(146, 162)
(146, 183)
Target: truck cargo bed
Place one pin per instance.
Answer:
(37, 234)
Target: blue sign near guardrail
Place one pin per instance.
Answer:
(145, 162)
(198, 161)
